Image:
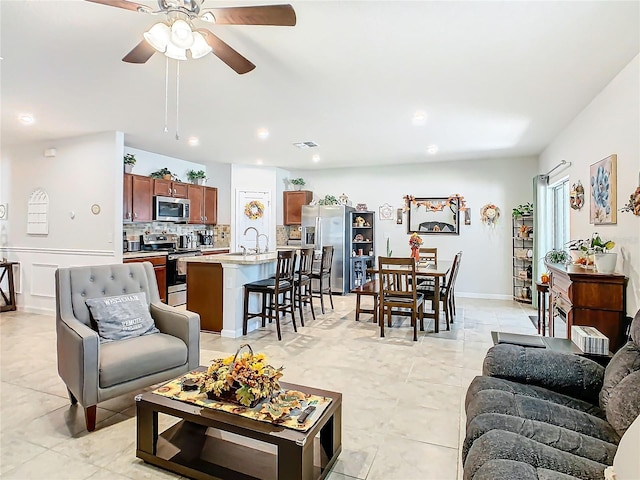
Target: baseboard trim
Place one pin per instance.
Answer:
(486, 296)
(60, 251)
(37, 310)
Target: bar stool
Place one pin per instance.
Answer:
(272, 289)
(323, 276)
(303, 282)
(543, 291)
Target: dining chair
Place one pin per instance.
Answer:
(428, 254)
(323, 276)
(277, 294)
(303, 282)
(446, 290)
(397, 281)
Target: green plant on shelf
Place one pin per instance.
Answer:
(193, 175)
(523, 210)
(297, 181)
(129, 159)
(161, 173)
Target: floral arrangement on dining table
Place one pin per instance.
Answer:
(415, 241)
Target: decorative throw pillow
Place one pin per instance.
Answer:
(122, 316)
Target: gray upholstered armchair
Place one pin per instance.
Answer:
(95, 371)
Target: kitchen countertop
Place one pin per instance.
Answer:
(213, 249)
(236, 259)
(142, 254)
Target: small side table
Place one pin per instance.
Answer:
(6, 270)
(543, 291)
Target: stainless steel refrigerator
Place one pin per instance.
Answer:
(329, 225)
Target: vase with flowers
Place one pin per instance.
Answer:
(415, 241)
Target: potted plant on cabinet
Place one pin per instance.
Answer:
(129, 162)
(604, 260)
(164, 173)
(197, 177)
(297, 183)
(523, 210)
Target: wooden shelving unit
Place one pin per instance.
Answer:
(523, 285)
(362, 238)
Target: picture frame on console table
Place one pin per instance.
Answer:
(603, 179)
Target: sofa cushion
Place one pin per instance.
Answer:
(501, 469)
(498, 401)
(545, 433)
(121, 316)
(492, 383)
(625, 362)
(153, 353)
(500, 444)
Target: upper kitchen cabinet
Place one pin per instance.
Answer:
(293, 202)
(167, 188)
(138, 197)
(203, 207)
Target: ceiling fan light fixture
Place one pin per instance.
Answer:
(208, 17)
(175, 52)
(158, 36)
(181, 34)
(200, 47)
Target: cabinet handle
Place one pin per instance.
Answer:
(135, 215)
(205, 218)
(128, 214)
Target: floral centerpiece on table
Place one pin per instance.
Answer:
(415, 240)
(241, 378)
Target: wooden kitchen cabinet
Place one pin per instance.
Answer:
(138, 198)
(292, 205)
(160, 269)
(203, 207)
(586, 297)
(167, 188)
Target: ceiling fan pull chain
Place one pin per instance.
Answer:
(177, 96)
(166, 94)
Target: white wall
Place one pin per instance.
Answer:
(609, 124)
(486, 264)
(87, 170)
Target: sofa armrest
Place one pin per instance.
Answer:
(182, 324)
(564, 373)
(78, 347)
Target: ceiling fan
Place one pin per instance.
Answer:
(177, 35)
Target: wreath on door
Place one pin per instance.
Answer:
(254, 209)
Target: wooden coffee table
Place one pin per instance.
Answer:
(212, 444)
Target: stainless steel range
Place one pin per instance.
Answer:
(176, 278)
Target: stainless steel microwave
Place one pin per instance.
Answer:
(169, 209)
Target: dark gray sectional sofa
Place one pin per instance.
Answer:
(542, 415)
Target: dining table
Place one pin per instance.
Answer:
(436, 270)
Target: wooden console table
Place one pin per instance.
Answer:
(9, 297)
(586, 297)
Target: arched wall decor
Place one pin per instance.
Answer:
(38, 213)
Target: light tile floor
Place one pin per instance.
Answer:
(403, 401)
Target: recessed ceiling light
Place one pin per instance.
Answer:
(262, 133)
(26, 119)
(419, 118)
(316, 158)
(193, 141)
(259, 161)
(432, 149)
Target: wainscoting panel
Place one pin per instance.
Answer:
(43, 279)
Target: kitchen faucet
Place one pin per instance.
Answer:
(266, 246)
(257, 237)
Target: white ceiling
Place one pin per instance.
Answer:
(495, 79)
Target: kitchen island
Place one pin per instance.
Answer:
(215, 289)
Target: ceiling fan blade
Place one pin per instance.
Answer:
(227, 54)
(136, 7)
(259, 15)
(140, 53)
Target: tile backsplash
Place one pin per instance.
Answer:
(221, 233)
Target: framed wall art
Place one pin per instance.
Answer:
(433, 215)
(603, 182)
